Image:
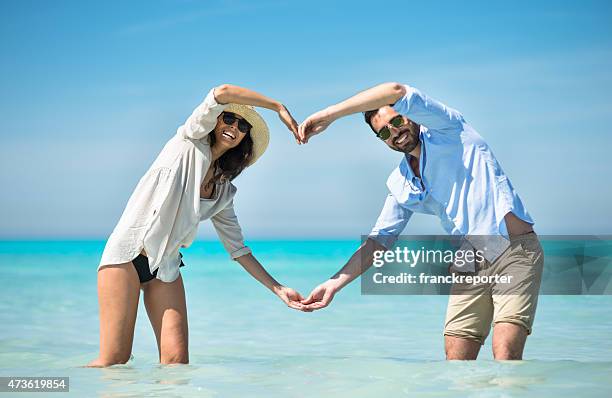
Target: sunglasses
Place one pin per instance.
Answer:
(230, 118)
(384, 133)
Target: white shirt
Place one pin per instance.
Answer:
(164, 211)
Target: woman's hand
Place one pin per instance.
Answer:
(289, 121)
(228, 93)
(290, 297)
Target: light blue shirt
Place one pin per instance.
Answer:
(462, 183)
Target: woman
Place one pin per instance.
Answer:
(187, 183)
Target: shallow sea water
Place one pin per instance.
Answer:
(244, 341)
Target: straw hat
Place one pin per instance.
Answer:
(259, 132)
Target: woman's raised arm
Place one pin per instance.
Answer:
(228, 93)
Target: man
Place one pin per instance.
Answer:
(449, 171)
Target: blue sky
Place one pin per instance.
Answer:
(92, 91)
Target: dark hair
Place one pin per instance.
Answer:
(367, 115)
(368, 118)
(233, 161)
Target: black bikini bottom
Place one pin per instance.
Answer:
(141, 263)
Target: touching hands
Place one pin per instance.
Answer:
(290, 297)
(289, 121)
(321, 296)
(314, 124)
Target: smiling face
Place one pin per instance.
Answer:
(403, 138)
(228, 135)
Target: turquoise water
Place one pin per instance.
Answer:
(244, 341)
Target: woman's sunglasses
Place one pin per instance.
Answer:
(230, 118)
(384, 133)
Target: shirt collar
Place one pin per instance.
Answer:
(405, 163)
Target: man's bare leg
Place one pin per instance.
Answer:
(508, 341)
(461, 349)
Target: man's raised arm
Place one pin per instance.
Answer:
(373, 98)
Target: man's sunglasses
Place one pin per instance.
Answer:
(230, 118)
(384, 133)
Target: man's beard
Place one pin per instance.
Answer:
(411, 141)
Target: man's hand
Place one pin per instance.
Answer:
(321, 296)
(314, 124)
(290, 297)
(373, 98)
(289, 121)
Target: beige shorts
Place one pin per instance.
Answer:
(471, 310)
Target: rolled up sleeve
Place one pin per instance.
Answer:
(427, 111)
(229, 231)
(203, 119)
(391, 222)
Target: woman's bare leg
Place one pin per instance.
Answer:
(118, 294)
(167, 309)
